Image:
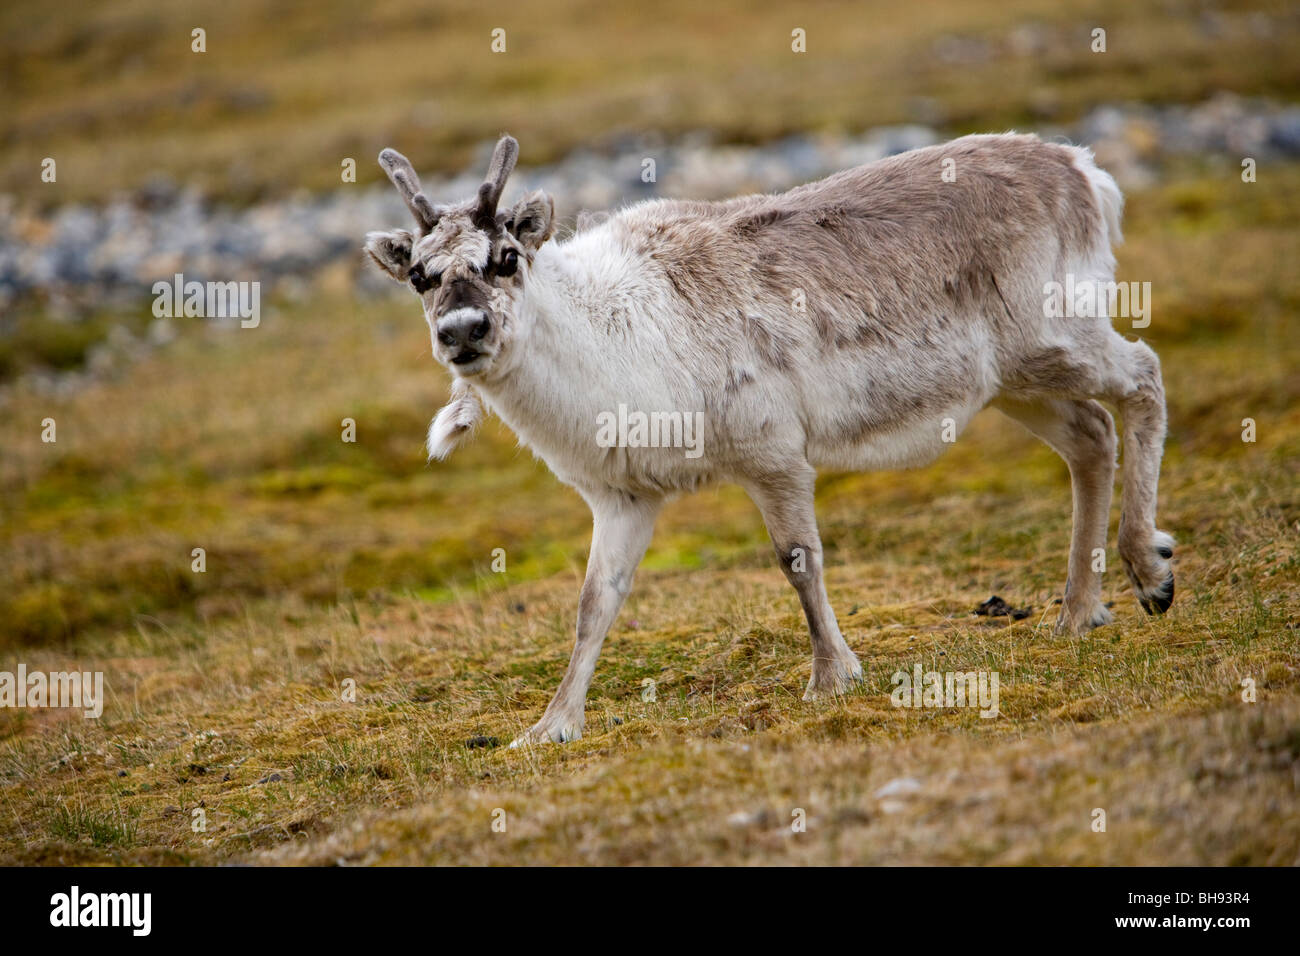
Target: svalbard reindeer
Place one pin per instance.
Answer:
(845, 324)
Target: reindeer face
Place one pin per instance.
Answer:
(467, 262)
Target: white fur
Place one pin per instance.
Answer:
(454, 422)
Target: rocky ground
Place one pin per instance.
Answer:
(76, 260)
(78, 256)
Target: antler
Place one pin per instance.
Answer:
(402, 173)
(489, 194)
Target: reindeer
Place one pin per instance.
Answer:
(843, 324)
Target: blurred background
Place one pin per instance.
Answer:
(130, 443)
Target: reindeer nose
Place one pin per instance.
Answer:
(463, 328)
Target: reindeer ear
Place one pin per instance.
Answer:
(532, 220)
(391, 251)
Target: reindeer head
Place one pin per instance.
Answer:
(467, 262)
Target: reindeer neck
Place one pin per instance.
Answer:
(563, 373)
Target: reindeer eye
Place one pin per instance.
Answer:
(422, 283)
(509, 263)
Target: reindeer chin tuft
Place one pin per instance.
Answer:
(453, 423)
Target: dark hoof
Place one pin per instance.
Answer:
(1158, 601)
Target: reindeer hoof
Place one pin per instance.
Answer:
(1158, 601)
(833, 680)
(1147, 563)
(548, 732)
(1082, 622)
